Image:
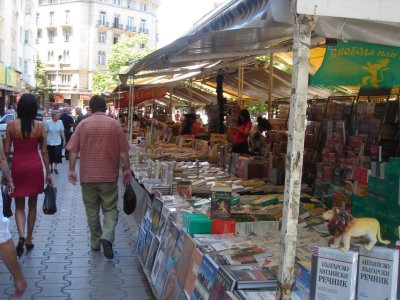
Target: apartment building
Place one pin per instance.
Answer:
(17, 52)
(75, 38)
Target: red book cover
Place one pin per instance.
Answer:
(361, 175)
(223, 226)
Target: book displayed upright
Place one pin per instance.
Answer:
(156, 214)
(333, 274)
(378, 274)
(193, 270)
(205, 279)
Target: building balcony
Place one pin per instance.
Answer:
(144, 30)
(103, 23)
(66, 25)
(51, 26)
(130, 28)
(118, 26)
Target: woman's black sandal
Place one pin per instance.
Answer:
(29, 246)
(20, 246)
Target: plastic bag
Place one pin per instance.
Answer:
(49, 202)
(129, 199)
(7, 212)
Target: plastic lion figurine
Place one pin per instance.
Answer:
(343, 226)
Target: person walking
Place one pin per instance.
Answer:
(79, 116)
(7, 251)
(26, 134)
(102, 144)
(68, 123)
(55, 140)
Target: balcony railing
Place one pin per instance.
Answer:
(144, 30)
(103, 23)
(118, 26)
(130, 28)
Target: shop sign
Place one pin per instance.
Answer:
(360, 64)
(2, 74)
(11, 77)
(151, 93)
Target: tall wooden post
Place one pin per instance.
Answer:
(270, 84)
(295, 149)
(220, 101)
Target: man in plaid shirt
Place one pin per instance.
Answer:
(102, 144)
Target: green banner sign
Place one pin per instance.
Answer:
(359, 64)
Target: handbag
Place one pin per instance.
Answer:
(7, 212)
(129, 199)
(49, 202)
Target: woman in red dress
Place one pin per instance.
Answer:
(26, 134)
(241, 132)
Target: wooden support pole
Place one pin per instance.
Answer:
(295, 149)
(270, 84)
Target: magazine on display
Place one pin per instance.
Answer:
(183, 262)
(378, 273)
(146, 246)
(156, 215)
(333, 274)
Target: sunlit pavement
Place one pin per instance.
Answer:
(62, 266)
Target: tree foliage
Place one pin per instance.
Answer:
(42, 83)
(123, 53)
(101, 81)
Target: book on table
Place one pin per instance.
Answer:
(205, 279)
(378, 274)
(333, 274)
(155, 243)
(192, 272)
(265, 294)
(156, 214)
(182, 265)
(251, 276)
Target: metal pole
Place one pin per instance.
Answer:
(270, 81)
(295, 149)
(130, 113)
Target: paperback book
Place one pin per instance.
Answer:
(163, 220)
(222, 283)
(378, 274)
(156, 215)
(193, 270)
(205, 279)
(182, 266)
(251, 276)
(155, 243)
(333, 274)
(146, 246)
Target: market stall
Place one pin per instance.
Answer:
(274, 33)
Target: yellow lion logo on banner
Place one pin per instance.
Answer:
(376, 72)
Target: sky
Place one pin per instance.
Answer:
(176, 17)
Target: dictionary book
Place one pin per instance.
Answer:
(333, 274)
(377, 273)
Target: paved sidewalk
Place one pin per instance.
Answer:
(61, 266)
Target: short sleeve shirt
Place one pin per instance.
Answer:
(100, 140)
(239, 138)
(53, 130)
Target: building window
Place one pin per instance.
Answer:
(117, 2)
(131, 4)
(67, 13)
(103, 1)
(67, 34)
(37, 19)
(38, 35)
(101, 60)
(143, 6)
(65, 56)
(51, 77)
(52, 1)
(102, 37)
(51, 18)
(26, 37)
(51, 34)
(129, 26)
(116, 21)
(28, 8)
(66, 78)
(25, 67)
(116, 38)
(142, 46)
(50, 55)
(102, 20)
(142, 25)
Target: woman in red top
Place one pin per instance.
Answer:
(241, 132)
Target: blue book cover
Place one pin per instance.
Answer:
(205, 279)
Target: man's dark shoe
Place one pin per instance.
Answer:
(107, 249)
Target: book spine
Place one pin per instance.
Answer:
(226, 280)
